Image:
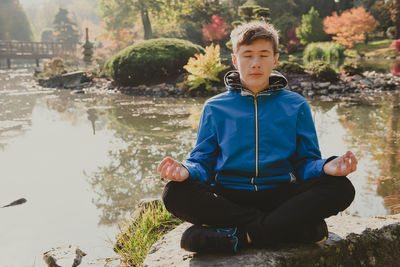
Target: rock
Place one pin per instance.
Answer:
(110, 86)
(72, 79)
(52, 82)
(366, 83)
(324, 92)
(357, 77)
(368, 242)
(334, 87)
(323, 85)
(63, 257)
(306, 85)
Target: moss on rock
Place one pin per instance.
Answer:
(321, 71)
(289, 67)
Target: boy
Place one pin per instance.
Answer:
(256, 169)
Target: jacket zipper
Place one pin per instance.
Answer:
(256, 111)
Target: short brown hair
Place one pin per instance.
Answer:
(246, 33)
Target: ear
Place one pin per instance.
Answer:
(276, 57)
(234, 61)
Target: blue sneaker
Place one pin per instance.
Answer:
(206, 239)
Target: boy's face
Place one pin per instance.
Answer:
(255, 63)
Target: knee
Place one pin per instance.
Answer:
(345, 191)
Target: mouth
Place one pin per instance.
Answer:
(256, 74)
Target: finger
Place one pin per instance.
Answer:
(174, 172)
(348, 168)
(168, 171)
(353, 158)
(353, 162)
(162, 163)
(339, 167)
(163, 171)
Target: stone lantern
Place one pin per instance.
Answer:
(87, 49)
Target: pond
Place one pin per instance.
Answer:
(83, 161)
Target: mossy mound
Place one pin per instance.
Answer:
(321, 71)
(151, 62)
(351, 69)
(289, 67)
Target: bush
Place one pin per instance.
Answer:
(311, 28)
(322, 71)
(289, 67)
(351, 69)
(396, 44)
(54, 67)
(204, 68)
(151, 62)
(327, 51)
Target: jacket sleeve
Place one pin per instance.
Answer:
(201, 161)
(307, 158)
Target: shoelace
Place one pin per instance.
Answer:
(227, 230)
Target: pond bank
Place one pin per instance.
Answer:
(351, 88)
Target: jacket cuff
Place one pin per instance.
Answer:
(189, 169)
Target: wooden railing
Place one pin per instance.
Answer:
(36, 50)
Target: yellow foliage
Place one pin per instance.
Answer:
(204, 68)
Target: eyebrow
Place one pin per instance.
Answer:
(261, 51)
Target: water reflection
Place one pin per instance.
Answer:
(145, 131)
(374, 130)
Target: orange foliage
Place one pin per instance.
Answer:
(349, 28)
(215, 31)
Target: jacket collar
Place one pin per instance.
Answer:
(277, 82)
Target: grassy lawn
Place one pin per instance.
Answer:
(380, 48)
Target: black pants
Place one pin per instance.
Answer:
(269, 216)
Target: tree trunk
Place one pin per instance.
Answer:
(146, 24)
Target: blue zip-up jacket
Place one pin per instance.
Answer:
(254, 142)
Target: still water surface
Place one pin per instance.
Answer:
(84, 160)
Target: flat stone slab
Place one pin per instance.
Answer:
(72, 79)
(360, 239)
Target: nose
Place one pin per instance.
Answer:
(255, 63)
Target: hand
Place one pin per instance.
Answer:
(341, 166)
(172, 170)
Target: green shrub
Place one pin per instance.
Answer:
(290, 67)
(151, 61)
(322, 71)
(351, 68)
(311, 28)
(327, 51)
(204, 68)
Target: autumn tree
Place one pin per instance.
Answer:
(215, 31)
(311, 29)
(350, 27)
